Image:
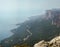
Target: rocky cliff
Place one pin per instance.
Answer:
(55, 42)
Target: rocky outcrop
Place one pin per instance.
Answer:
(41, 44)
(55, 42)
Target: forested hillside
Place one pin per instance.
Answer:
(42, 27)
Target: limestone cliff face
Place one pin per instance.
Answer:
(54, 15)
(55, 42)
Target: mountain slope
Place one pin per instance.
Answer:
(36, 29)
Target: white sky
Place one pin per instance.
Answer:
(13, 5)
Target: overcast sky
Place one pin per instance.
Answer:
(16, 11)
